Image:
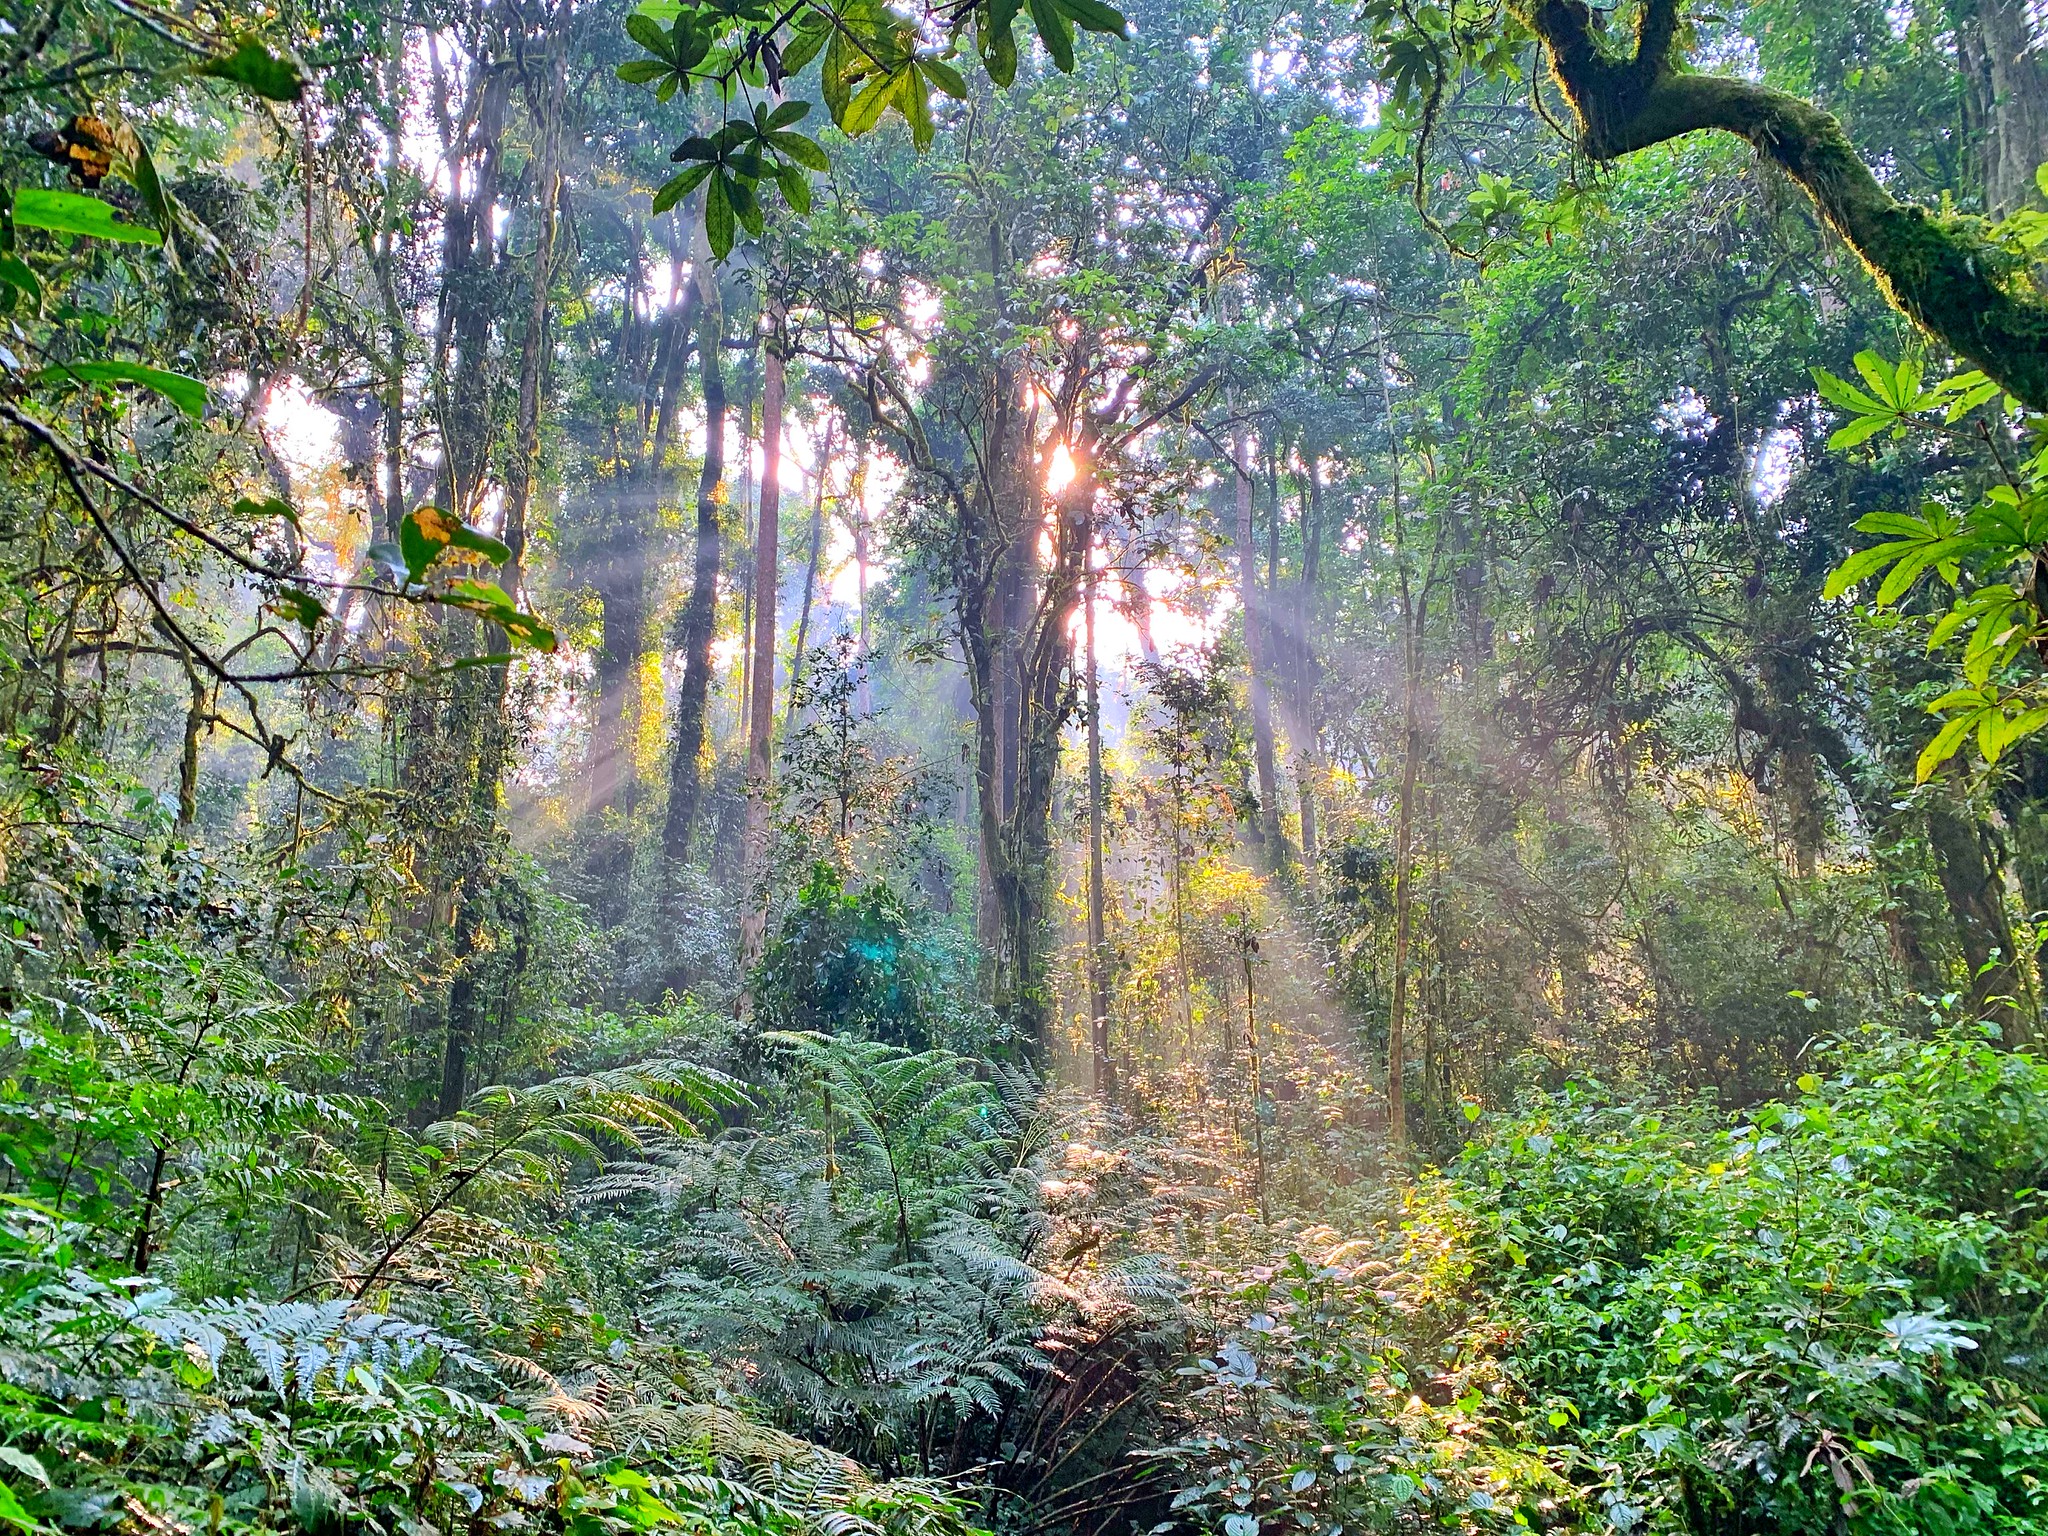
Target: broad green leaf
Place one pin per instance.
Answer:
(1944, 746)
(17, 273)
(185, 392)
(262, 71)
(1859, 430)
(676, 188)
(1910, 565)
(651, 35)
(1882, 378)
(866, 109)
(151, 187)
(1840, 392)
(803, 48)
(492, 603)
(1056, 32)
(999, 57)
(1902, 524)
(73, 213)
(1861, 566)
(718, 216)
(477, 542)
(301, 607)
(422, 536)
(746, 207)
(914, 101)
(788, 114)
(945, 77)
(643, 71)
(1096, 17)
(835, 80)
(796, 188)
(803, 151)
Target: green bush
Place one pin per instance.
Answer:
(1823, 1315)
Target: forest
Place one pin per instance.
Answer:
(1018, 768)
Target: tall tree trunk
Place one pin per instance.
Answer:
(761, 711)
(1267, 828)
(803, 621)
(2005, 96)
(698, 620)
(1308, 753)
(1098, 936)
(1976, 899)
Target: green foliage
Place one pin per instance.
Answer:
(1986, 555)
(860, 964)
(1823, 1315)
(874, 61)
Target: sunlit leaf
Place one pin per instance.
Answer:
(262, 71)
(73, 213)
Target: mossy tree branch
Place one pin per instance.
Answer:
(1941, 271)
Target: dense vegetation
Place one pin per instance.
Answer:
(998, 768)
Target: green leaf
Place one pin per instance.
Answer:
(788, 114)
(999, 57)
(945, 77)
(1096, 17)
(151, 187)
(796, 188)
(641, 71)
(803, 48)
(746, 207)
(914, 101)
(803, 151)
(1881, 376)
(652, 36)
(17, 273)
(1056, 32)
(1944, 746)
(268, 506)
(477, 542)
(73, 213)
(676, 188)
(262, 71)
(421, 538)
(1840, 392)
(835, 80)
(718, 216)
(1858, 430)
(11, 1510)
(185, 392)
(867, 108)
(491, 601)
(301, 607)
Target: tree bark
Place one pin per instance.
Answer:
(2005, 90)
(803, 621)
(1937, 269)
(761, 710)
(1267, 827)
(1098, 936)
(698, 620)
(1976, 901)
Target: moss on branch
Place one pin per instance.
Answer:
(1940, 270)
